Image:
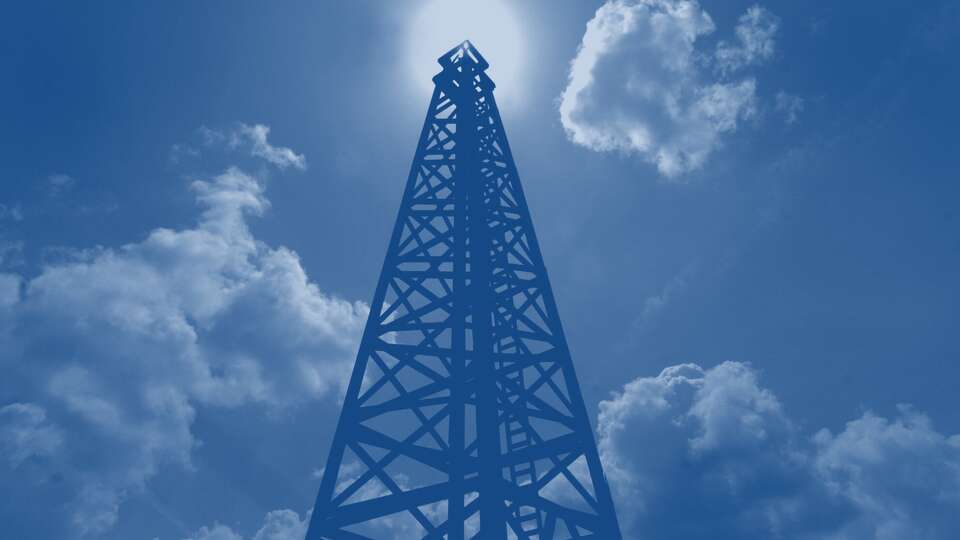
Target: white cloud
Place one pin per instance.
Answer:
(123, 346)
(755, 44)
(249, 138)
(283, 525)
(639, 84)
(25, 433)
(96, 507)
(902, 474)
(256, 137)
(714, 444)
(217, 532)
(277, 525)
(790, 106)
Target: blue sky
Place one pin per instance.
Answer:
(749, 214)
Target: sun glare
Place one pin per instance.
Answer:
(490, 25)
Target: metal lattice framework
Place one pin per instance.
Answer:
(463, 417)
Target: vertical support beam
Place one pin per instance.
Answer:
(458, 389)
(492, 506)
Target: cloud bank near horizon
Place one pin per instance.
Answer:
(715, 444)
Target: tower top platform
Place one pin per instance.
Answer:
(464, 53)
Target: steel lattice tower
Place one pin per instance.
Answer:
(463, 417)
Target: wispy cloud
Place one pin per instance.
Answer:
(655, 304)
(252, 139)
(11, 253)
(256, 137)
(790, 106)
(756, 32)
(59, 184)
(12, 212)
(25, 433)
(180, 152)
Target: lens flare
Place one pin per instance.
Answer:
(492, 27)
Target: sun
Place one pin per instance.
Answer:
(492, 27)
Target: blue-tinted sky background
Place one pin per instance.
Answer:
(816, 246)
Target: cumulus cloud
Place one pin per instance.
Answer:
(216, 532)
(902, 474)
(122, 346)
(714, 444)
(277, 525)
(639, 84)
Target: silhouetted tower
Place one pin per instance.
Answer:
(463, 417)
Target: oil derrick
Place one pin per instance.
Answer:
(463, 417)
